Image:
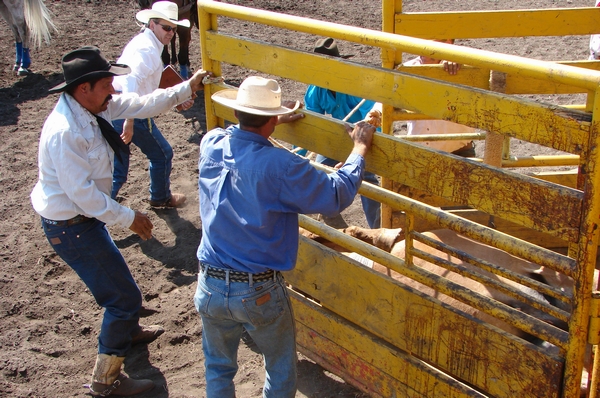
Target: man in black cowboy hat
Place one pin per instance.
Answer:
(72, 195)
(339, 106)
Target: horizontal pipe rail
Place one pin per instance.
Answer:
(521, 66)
(511, 291)
(496, 270)
(483, 234)
(541, 160)
(492, 307)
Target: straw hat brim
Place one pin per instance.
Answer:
(228, 98)
(144, 16)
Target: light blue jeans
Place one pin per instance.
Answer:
(91, 252)
(264, 310)
(372, 208)
(157, 149)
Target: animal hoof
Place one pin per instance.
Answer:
(23, 72)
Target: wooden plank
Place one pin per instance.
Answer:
(552, 126)
(511, 23)
(466, 348)
(537, 204)
(365, 361)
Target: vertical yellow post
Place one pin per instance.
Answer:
(408, 240)
(586, 257)
(494, 143)
(389, 59)
(207, 22)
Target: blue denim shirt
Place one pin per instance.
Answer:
(322, 100)
(251, 194)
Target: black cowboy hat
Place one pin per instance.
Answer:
(85, 64)
(328, 46)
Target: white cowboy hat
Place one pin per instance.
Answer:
(162, 10)
(257, 96)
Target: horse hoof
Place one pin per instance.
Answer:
(23, 71)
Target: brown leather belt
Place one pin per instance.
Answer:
(78, 219)
(235, 276)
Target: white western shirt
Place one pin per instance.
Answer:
(76, 163)
(143, 55)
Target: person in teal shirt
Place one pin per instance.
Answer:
(339, 105)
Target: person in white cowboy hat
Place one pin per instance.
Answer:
(76, 151)
(143, 55)
(250, 196)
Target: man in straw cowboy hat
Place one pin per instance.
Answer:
(250, 196)
(339, 106)
(72, 195)
(143, 55)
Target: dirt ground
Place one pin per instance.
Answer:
(48, 320)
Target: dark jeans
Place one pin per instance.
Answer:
(157, 149)
(88, 249)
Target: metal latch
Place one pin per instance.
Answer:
(594, 329)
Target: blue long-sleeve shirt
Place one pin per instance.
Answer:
(251, 194)
(321, 100)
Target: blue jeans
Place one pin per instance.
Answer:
(264, 310)
(157, 149)
(91, 252)
(372, 208)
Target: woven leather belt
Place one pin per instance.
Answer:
(235, 276)
(67, 223)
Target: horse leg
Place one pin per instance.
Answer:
(174, 49)
(15, 18)
(165, 56)
(184, 51)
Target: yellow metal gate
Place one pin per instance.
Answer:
(393, 340)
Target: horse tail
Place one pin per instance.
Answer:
(39, 22)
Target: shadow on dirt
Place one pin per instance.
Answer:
(187, 236)
(29, 88)
(137, 365)
(312, 376)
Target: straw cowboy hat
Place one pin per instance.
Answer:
(257, 96)
(85, 64)
(162, 10)
(328, 46)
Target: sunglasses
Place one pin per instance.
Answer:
(167, 28)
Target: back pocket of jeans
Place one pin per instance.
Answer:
(62, 245)
(266, 306)
(202, 299)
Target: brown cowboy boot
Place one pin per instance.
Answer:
(107, 379)
(176, 200)
(146, 334)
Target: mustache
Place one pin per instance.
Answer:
(108, 98)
